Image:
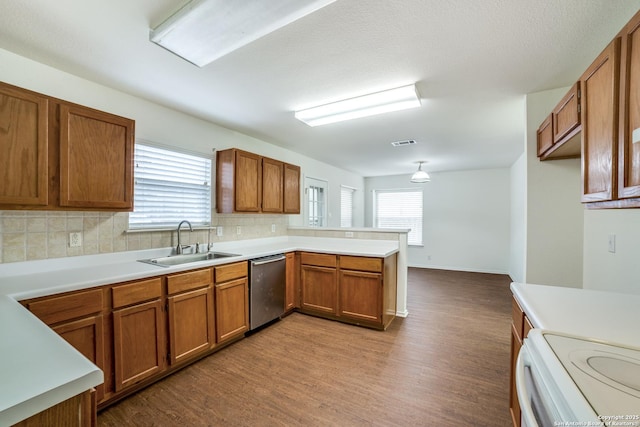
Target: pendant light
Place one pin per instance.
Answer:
(420, 176)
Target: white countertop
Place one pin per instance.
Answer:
(38, 369)
(606, 316)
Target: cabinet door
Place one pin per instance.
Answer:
(291, 189)
(566, 115)
(291, 282)
(361, 295)
(545, 135)
(232, 309)
(191, 323)
(629, 156)
(319, 289)
(514, 405)
(138, 343)
(96, 159)
(600, 125)
(23, 147)
(86, 336)
(272, 185)
(248, 182)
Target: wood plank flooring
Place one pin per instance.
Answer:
(447, 364)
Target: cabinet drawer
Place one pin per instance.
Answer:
(361, 263)
(518, 317)
(67, 307)
(136, 292)
(231, 271)
(189, 280)
(321, 260)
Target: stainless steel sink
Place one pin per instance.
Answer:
(168, 261)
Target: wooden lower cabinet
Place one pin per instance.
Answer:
(232, 301)
(138, 343)
(353, 289)
(319, 289)
(139, 346)
(232, 314)
(77, 411)
(291, 286)
(361, 296)
(520, 328)
(191, 314)
(76, 317)
(87, 336)
(191, 324)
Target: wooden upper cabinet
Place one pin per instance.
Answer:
(96, 159)
(545, 135)
(559, 134)
(600, 125)
(629, 137)
(272, 185)
(291, 189)
(566, 115)
(248, 179)
(23, 147)
(247, 182)
(238, 181)
(56, 155)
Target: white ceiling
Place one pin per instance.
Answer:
(472, 61)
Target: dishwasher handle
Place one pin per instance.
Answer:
(268, 261)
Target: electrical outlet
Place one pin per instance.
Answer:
(612, 243)
(273, 228)
(75, 240)
(428, 257)
(238, 230)
(219, 231)
(348, 234)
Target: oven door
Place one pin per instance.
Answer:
(537, 407)
(547, 394)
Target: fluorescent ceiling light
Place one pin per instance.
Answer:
(400, 98)
(205, 30)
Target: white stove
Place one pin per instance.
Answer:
(565, 380)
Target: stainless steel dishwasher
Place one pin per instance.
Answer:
(267, 276)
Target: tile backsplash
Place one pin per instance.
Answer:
(32, 235)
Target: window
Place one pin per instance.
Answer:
(400, 209)
(316, 210)
(346, 206)
(170, 186)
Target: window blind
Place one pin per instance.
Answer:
(400, 209)
(170, 186)
(346, 206)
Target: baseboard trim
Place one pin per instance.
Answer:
(404, 313)
(470, 270)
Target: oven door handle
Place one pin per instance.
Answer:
(521, 388)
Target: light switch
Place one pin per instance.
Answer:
(219, 231)
(635, 137)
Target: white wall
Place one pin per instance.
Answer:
(603, 270)
(166, 126)
(466, 219)
(518, 241)
(554, 213)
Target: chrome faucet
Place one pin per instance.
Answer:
(180, 247)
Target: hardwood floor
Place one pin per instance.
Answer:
(447, 364)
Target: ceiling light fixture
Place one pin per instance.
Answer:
(420, 176)
(400, 98)
(205, 30)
